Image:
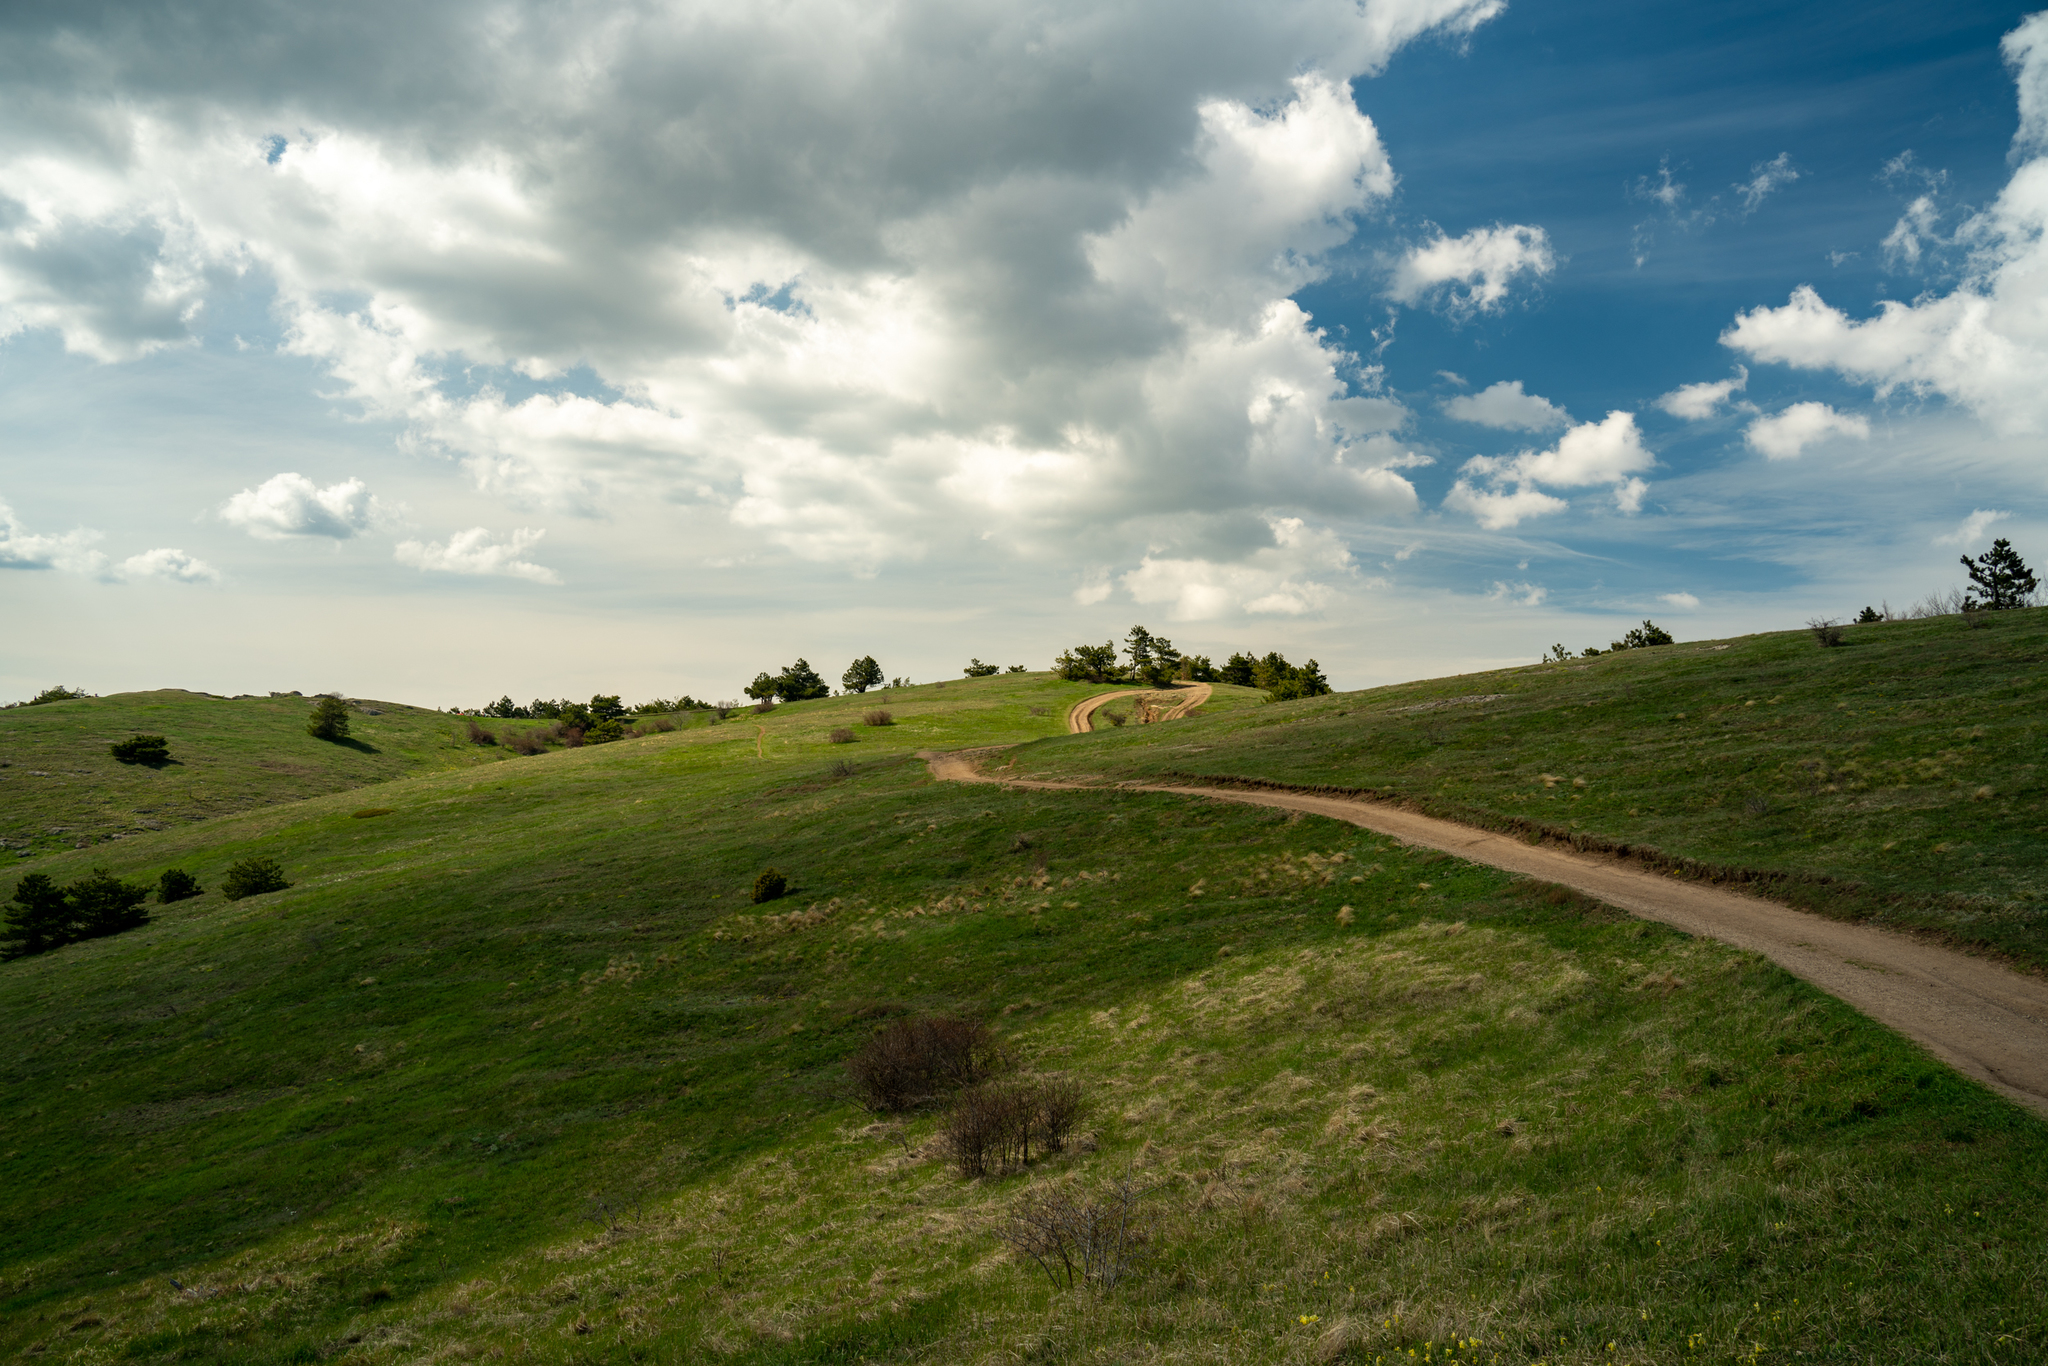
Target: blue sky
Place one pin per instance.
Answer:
(465, 349)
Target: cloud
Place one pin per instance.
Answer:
(1782, 436)
(474, 552)
(1486, 261)
(1698, 402)
(1972, 530)
(1505, 405)
(172, 565)
(287, 505)
(1981, 345)
(1289, 577)
(1609, 452)
(1520, 594)
(861, 287)
(22, 549)
(1684, 602)
(1764, 178)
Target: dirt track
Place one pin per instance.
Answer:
(1081, 716)
(1981, 1018)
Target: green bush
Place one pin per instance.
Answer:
(253, 877)
(1642, 637)
(60, 693)
(142, 749)
(329, 720)
(1089, 664)
(770, 886)
(977, 669)
(176, 885)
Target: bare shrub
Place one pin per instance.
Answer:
(1115, 718)
(844, 768)
(763, 707)
(526, 741)
(1975, 614)
(841, 735)
(996, 1125)
(1076, 1238)
(877, 717)
(1941, 603)
(570, 736)
(663, 724)
(1827, 632)
(1038, 711)
(478, 735)
(908, 1060)
(1757, 806)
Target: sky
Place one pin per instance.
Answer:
(434, 351)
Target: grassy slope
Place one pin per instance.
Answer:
(59, 787)
(1911, 764)
(517, 1068)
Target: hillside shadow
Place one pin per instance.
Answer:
(359, 746)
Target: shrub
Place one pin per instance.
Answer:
(1115, 718)
(479, 736)
(525, 742)
(1642, 637)
(977, 669)
(663, 724)
(909, 1060)
(1827, 632)
(142, 749)
(841, 735)
(605, 731)
(763, 707)
(769, 886)
(253, 877)
(877, 717)
(1015, 669)
(176, 885)
(60, 693)
(994, 1126)
(1868, 615)
(103, 904)
(1079, 1239)
(844, 769)
(329, 720)
(372, 812)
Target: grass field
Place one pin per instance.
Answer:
(516, 1071)
(1902, 776)
(61, 789)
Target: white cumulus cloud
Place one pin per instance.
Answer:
(1698, 402)
(1473, 273)
(286, 505)
(1505, 405)
(1290, 577)
(21, 548)
(169, 564)
(1782, 436)
(476, 551)
(1984, 344)
(1971, 532)
(1684, 602)
(1501, 491)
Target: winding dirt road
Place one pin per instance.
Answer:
(1081, 716)
(1980, 1017)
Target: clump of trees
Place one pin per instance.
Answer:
(1637, 638)
(59, 693)
(142, 749)
(41, 916)
(797, 682)
(1282, 681)
(329, 720)
(1150, 660)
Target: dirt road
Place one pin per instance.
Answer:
(1081, 716)
(1981, 1018)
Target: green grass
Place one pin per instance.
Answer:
(1900, 776)
(516, 1069)
(60, 788)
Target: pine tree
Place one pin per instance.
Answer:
(329, 720)
(38, 918)
(102, 904)
(2004, 577)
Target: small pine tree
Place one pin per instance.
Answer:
(762, 688)
(1868, 615)
(1240, 670)
(861, 675)
(977, 669)
(38, 918)
(329, 720)
(102, 904)
(176, 885)
(253, 877)
(770, 886)
(800, 683)
(2004, 577)
(142, 749)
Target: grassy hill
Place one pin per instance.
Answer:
(1902, 776)
(515, 1070)
(60, 788)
